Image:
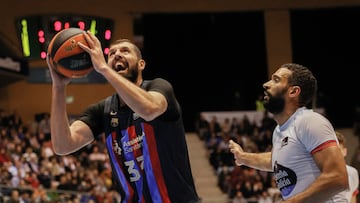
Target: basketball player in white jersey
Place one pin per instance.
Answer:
(351, 194)
(306, 160)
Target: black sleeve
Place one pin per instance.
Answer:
(164, 87)
(93, 116)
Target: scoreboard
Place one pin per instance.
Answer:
(35, 32)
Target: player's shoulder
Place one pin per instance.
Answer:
(156, 83)
(310, 116)
(352, 170)
(160, 80)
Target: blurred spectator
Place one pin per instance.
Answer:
(202, 128)
(265, 197)
(226, 126)
(274, 191)
(215, 127)
(44, 126)
(349, 195)
(239, 198)
(4, 118)
(4, 156)
(32, 179)
(14, 120)
(15, 197)
(14, 174)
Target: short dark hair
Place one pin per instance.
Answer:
(341, 138)
(136, 48)
(301, 76)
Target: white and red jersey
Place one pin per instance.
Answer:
(294, 144)
(353, 181)
(353, 190)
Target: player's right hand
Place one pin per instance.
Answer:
(57, 78)
(237, 150)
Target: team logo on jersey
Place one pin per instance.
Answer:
(135, 116)
(114, 122)
(117, 149)
(285, 179)
(284, 141)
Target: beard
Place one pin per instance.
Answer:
(132, 73)
(276, 103)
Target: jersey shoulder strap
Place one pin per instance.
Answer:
(144, 84)
(111, 113)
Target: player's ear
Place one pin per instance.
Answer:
(294, 90)
(141, 64)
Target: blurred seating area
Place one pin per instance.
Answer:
(31, 172)
(241, 184)
(253, 131)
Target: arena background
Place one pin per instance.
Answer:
(217, 54)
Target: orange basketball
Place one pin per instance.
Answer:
(68, 57)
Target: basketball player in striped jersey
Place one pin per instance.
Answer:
(142, 120)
